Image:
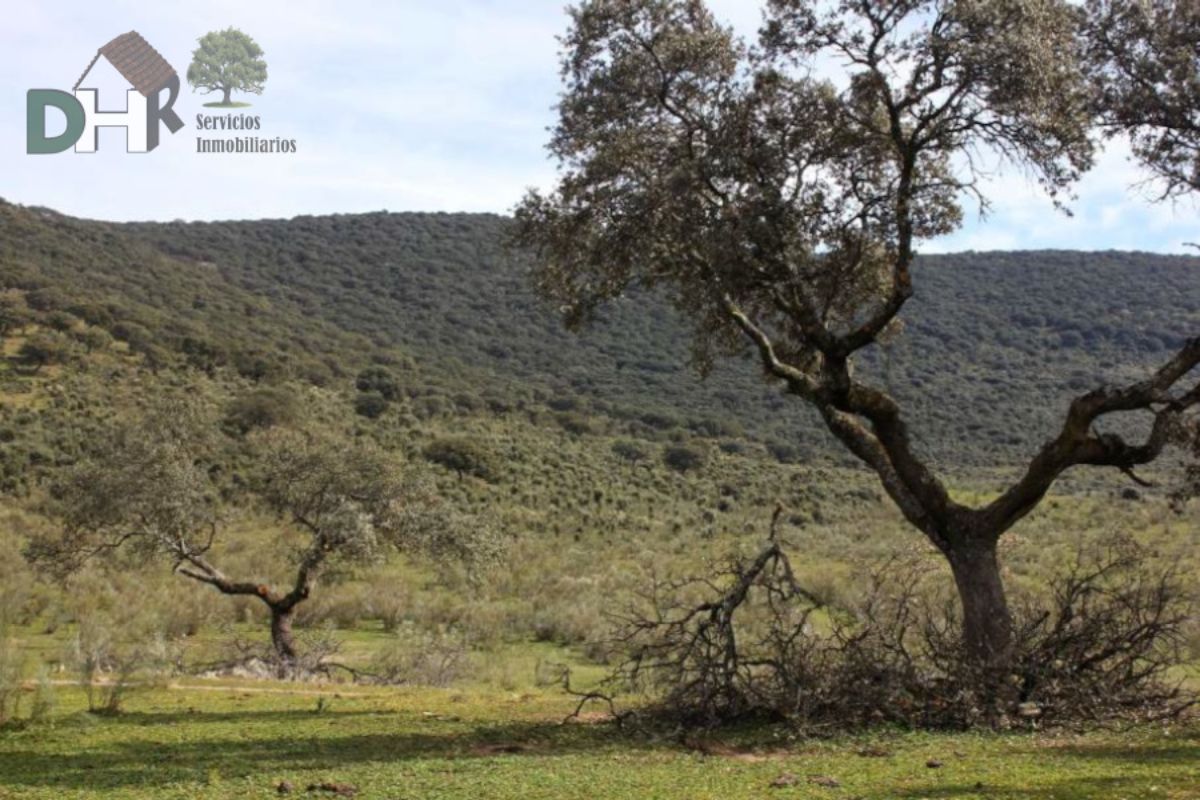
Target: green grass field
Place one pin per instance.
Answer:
(588, 529)
(230, 741)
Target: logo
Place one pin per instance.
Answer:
(146, 71)
(227, 61)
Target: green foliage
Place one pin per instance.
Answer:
(94, 339)
(575, 423)
(227, 61)
(45, 698)
(631, 451)
(261, 409)
(357, 501)
(1002, 340)
(169, 311)
(422, 658)
(1144, 55)
(379, 380)
(666, 116)
(44, 348)
(463, 455)
(146, 485)
(785, 452)
(371, 405)
(684, 458)
(14, 312)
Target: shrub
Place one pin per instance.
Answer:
(563, 403)
(389, 601)
(574, 423)
(261, 409)
(630, 451)
(462, 455)
(137, 336)
(379, 380)
(714, 428)
(61, 321)
(419, 657)
(733, 447)
(43, 349)
(257, 367)
(105, 668)
(12, 664)
(14, 312)
(91, 655)
(659, 421)
(371, 405)
(785, 453)
(94, 339)
(684, 458)
(45, 697)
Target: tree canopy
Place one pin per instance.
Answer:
(227, 61)
(1144, 55)
(158, 488)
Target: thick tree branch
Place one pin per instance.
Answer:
(868, 448)
(200, 569)
(799, 382)
(1077, 444)
(891, 431)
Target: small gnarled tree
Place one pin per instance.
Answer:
(782, 210)
(153, 488)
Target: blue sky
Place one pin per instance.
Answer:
(407, 105)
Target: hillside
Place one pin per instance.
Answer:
(994, 343)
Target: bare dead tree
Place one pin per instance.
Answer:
(742, 643)
(696, 651)
(1110, 640)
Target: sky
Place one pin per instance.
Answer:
(407, 105)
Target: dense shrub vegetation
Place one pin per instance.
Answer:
(361, 301)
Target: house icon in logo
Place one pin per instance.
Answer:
(138, 62)
(146, 71)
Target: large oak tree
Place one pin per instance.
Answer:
(783, 209)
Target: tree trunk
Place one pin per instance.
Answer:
(225, 99)
(281, 635)
(987, 620)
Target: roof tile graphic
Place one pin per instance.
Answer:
(137, 61)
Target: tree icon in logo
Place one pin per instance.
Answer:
(227, 61)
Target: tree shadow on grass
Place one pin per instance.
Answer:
(1174, 762)
(315, 742)
(1182, 748)
(1083, 788)
(142, 750)
(144, 719)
